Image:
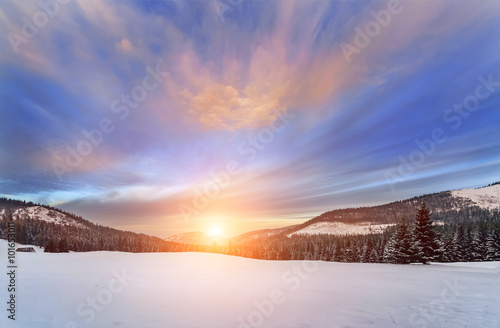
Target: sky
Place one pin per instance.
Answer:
(163, 117)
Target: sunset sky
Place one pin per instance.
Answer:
(124, 111)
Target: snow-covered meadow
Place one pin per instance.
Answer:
(341, 229)
(181, 290)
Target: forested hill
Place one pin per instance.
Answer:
(37, 224)
(466, 205)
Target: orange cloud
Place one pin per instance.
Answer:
(124, 45)
(246, 95)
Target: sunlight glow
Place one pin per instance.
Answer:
(214, 231)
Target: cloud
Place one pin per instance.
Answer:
(125, 45)
(228, 73)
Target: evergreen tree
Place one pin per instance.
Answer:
(63, 246)
(399, 248)
(467, 245)
(479, 245)
(492, 248)
(425, 238)
(448, 254)
(51, 247)
(390, 251)
(459, 245)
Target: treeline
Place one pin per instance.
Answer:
(84, 238)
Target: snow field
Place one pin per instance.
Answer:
(340, 229)
(187, 290)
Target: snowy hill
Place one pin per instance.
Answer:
(446, 207)
(44, 214)
(259, 234)
(487, 197)
(38, 224)
(172, 290)
(197, 238)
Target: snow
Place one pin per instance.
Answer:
(487, 197)
(339, 228)
(181, 290)
(41, 213)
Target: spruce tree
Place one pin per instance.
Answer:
(399, 248)
(460, 249)
(479, 245)
(51, 247)
(424, 236)
(467, 245)
(63, 246)
(492, 248)
(448, 254)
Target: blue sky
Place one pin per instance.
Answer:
(170, 116)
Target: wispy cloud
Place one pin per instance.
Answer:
(229, 72)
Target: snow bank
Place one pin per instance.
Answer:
(181, 290)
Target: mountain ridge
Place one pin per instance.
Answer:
(444, 206)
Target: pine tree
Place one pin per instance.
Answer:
(448, 254)
(425, 238)
(390, 251)
(459, 245)
(51, 247)
(479, 245)
(467, 245)
(492, 248)
(63, 246)
(399, 248)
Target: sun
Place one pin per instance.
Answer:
(214, 231)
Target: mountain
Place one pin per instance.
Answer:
(37, 224)
(200, 238)
(446, 207)
(487, 197)
(252, 236)
(197, 238)
(43, 214)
